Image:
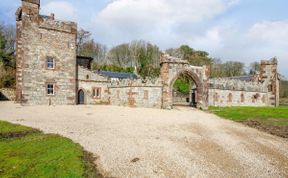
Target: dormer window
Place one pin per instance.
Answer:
(50, 63)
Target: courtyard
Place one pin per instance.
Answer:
(137, 142)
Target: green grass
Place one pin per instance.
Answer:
(41, 155)
(270, 115)
(6, 127)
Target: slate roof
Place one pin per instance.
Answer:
(118, 75)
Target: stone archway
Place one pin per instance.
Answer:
(171, 69)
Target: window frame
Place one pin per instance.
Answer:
(48, 58)
(53, 89)
(96, 92)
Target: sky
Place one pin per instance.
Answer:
(237, 30)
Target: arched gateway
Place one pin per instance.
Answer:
(172, 68)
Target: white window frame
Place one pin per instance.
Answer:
(49, 88)
(49, 62)
(97, 92)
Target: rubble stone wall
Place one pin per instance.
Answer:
(136, 93)
(263, 90)
(89, 81)
(40, 37)
(7, 94)
(220, 97)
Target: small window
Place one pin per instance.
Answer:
(270, 88)
(97, 92)
(50, 63)
(50, 89)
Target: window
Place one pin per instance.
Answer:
(50, 89)
(97, 92)
(50, 63)
(270, 88)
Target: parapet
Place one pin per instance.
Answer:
(165, 58)
(33, 1)
(48, 22)
(136, 83)
(236, 85)
(272, 61)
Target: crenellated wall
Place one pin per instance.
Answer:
(262, 90)
(226, 92)
(136, 93)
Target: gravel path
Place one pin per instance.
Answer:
(160, 143)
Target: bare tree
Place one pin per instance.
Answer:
(82, 37)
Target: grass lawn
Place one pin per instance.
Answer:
(7, 129)
(34, 154)
(268, 115)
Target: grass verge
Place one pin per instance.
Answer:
(34, 154)
(277, 116)
(273, 120)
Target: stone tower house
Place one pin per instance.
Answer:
(45, 57)
(270, 78)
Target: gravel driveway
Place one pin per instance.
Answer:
(160, 143)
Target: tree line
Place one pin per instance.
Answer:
(7, 57)
(145, 56)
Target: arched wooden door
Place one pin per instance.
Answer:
(81, 97)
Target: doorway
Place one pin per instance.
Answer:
(81, 97)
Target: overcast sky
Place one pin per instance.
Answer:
(242, 30)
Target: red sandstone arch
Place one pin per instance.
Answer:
(171, 69)
(194, 77)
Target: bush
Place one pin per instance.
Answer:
(7, 77)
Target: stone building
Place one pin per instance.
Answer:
(45, 57)
(50, 73)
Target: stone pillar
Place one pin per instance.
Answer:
(166, 94)
(19, 55)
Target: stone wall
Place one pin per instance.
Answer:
(136, 93)
(37, 38)
(262, 91)
(88, 81)
(7, 94)
(227, 92)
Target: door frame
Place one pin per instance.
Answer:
(78, 97)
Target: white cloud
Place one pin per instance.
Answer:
(272, 32)
(63, 10)
(263, 40)
(150, 19)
